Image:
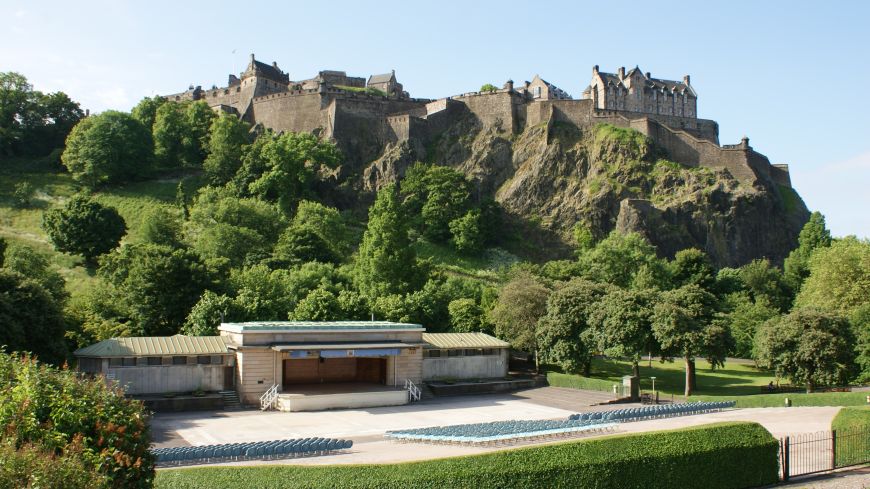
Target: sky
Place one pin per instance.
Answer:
(782, 73)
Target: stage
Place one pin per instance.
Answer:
(339, 395)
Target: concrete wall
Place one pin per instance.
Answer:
(169, 378)
(408, 365)
(470, 367)
(256, 371)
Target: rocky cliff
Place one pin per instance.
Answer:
(608, 178)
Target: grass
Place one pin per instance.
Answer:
(485, 268)
(556, 379)
(735, 379)
(725, 455)
(852, 418)
(797, 399)
(366, 90)
(853, 443)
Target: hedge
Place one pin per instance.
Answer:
(797, 399)
(577, 382)
(718, 456)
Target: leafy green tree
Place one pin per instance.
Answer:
(70, 415)
(466, 231)
(692, 266)
(808, 346)
(3, 246)
(682, 324)
(617, 259)
(583, 236)
(85, 227)
(206, 315)
(860, 321)
(620, 324)
(160, 226)
(814, 235)
(300, 244)
(282, 168)
(146, 110)
(466, 316)
(31, 319)
(35, 266)
(354, 305)
(839, 279)
(23, 194)
(766, 283)
(744, 318)
(560, 332)
(386, 263)
(110, 147)
(15, 96)
(265, 293)
(229, 135)
(327, 223)
(160, 284)
(521, 304)
(319, 305)
(198, 118)
(488, 87)
(448, 198)
(171, 136)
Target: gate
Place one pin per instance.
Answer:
(811, 453)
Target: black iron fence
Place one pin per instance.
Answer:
(810, 453)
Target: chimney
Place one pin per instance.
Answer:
(648, 75)
(621, 72)
(595, 70)
(509, 85)
(275, 64)
(686, 79)
(252, 57)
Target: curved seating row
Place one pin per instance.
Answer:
(651, 412)
(251, 450)
(498, 431)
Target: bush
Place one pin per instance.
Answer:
(728, 455)
(579, 382)
(85, 425)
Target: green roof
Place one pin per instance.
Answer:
(155, 346)
(265, 326)
(463, 340)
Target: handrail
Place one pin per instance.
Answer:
(414, 392)
(267, 400)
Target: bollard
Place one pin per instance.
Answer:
(787, 402)
(868, 399)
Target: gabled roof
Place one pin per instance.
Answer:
(155, 346)
(447, 341)
(268, 326)
(383, 78)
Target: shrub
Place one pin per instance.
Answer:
(728, 455)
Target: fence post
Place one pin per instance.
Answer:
(833, 449)
(785, 461)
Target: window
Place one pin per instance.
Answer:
(217, 360)
(454, 353)
(203, 360)
(490, 351)
(537, 92)
(473, 353)
(115, 362)
(128, 362)
(433, 353)
(179, 360)
(154, 361)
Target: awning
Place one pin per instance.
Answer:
(343, 350)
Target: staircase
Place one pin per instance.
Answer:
(231, 400)
(269, 399)
(414, 392)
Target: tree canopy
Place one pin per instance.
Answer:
(85, 227)
(839, 277)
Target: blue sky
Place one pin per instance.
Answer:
(787, 74)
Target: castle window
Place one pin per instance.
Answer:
(537, 92)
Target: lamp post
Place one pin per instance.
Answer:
(654, 384)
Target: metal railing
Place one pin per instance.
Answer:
(414, 392)
(811, 453)
(268, 399)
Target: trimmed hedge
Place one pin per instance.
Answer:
(578, 382)
(798, 399)
(718, 456)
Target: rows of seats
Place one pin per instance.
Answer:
(498, 431)
(652, 412)
(252, 450)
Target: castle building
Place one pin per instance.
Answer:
(636, 91)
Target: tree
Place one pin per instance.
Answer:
(319, 305)
(521, 304)
(73, 416)
(692, 266)
(765, 283)
(159, 284)
(839, 279)
(620, 324)
(15, 93)
(110, 147)
(160, 226)
(327, 223)
(466, 316)
(681, 324)
(448, 198)
(814, 235)
(617, 259)
(206, 315)
(30, 317)
(488, 87)
(282, 168)
(466, 231)
(386, 263)
(744, 319)
(84, 226)
(23, 194)
(229, 134)
(860, 321)
(808, 346)
(560, 333)
(198, 118)
(300, 244)
(35, 266)
(146, 110)
(171, 136)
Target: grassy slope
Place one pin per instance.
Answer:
(797, 399)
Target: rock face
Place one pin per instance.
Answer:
(607, 178)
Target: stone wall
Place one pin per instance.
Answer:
(492, 108)
(470, 367)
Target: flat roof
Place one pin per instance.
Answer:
(283, 326)
(342, 346)
(155, 346)
(463, 340)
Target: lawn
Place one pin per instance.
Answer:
(797, 399)
(735, 379)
